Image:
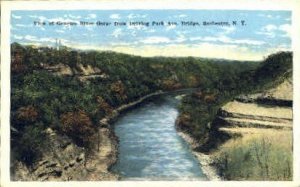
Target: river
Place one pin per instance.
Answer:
(149, 146)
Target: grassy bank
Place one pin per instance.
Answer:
(257, 155)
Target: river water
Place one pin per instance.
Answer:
(149, 146)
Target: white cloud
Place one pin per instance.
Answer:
(287, 29)
(117, 32)
(132, 16)
(90, 27)
(60, 19)
(30, 38)
(22, 25)
(270, 16)
(268, 34)
(227, 40)
(196, 38)
(265, 15)
(228, 30)
(16, 17)
(151, 31)
(122, 44)
(73, 17)
(155, 40)
(115, 16)
(270, 30)
(41, 18)
(248, 42)
(170, 27)
(39, 40)
(182, 16)
(18, 37)
(92, 16)
(52, 40)
(180, 38)
(133, 33)
(137, 27)
(59, 31)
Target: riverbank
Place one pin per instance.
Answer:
(106, 155)
(204, 159)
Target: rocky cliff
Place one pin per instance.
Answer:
(269, 109)
(62, 160)
(84, 73)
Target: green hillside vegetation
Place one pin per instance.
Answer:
(198, 112)
(41, 98)
(200, 108)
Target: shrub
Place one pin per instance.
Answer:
(78, 126)
(258, 158)
(27, 114)
(28, 147)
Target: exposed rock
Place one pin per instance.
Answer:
(84, 73)
(88, 70)
(248, 98)
(281, 95)
(269, 109)
(63, 160)
(58, 157)
(255, 115)
(59, 69)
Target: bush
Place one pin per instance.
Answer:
(28, 148)
(27, 114)
(256, 159)
(78, 126)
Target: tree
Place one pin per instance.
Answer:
(78, 126)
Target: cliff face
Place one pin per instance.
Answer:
(62, 160)
(83, 73)
(269, 109)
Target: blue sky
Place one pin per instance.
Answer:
(265, 32)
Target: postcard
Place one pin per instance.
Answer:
(149, 93)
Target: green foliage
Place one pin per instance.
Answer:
(230, 81)
(122, 79)
(27, 147)
(259, 159)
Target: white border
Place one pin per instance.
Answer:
(7, 6)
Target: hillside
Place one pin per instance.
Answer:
(236, 130)
(70, 93)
